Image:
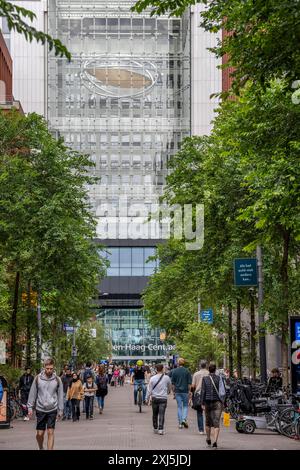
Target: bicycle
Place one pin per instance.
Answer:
(15, 407)
(289, 421)
(139, 398)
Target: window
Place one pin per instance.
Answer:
(130, 261)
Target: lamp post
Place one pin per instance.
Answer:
(262, 339)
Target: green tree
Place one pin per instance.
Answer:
(258, 28)
(200, 341)
(46, 226)
(17, 19)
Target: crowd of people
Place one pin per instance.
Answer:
(63, 396)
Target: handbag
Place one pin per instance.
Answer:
(196, 401)
(221, 392)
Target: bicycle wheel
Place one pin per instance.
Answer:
(287, 423)
(12, 410)
(140, 400)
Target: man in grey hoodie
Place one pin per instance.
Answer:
(47, 397)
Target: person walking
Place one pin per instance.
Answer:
(47, 397)
(212, 396)
(181, 382)
(66, 380)
(75, 394)
(25, 383)
(196, 389)
(89, 388)
(110, 372)
(122, 376)
(157, 391)
(102, 388)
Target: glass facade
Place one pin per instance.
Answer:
(124, 98)
(131, 335)
(130, 261)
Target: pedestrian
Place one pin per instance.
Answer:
(25, 383)
(116, 375)
(90, 389)
(66, 380)
(212, 396)
(110, 372)
(87, 371)
(148, 375)
(181, 382)
(75, 394)
(47, 397)
(196, 389)
(157, 392)
(102, 388)
(122, 376)
(275, 381)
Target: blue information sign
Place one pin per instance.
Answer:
(245, 272)
(68, 328)
(297, 331)
(207, 315)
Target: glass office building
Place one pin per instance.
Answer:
(125, 100)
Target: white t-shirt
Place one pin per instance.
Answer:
(162, 388)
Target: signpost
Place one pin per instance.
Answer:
(245, 272)
(207, 315)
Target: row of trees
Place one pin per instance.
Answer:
(47, 252)
(247, 175)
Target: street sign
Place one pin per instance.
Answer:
(74, 351)
(245, 272)
(2, 352)
(207, 315)
(93, 333)
(68, 328)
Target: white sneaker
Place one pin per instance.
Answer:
(161, 432)
(201, 433)
(180, 426)
(155, 431)
(26, 418)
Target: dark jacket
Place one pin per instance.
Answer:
(66, 380)
(25, 383)
(208, 391)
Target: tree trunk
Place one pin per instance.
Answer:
(230, 350)
(285, 296)
(238, 339)
(28, 326)
(252, 338)
(13, 337)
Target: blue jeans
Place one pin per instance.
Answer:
(200, 420)
(100, 401)
(138, 382)
(67, 407)
(182, 406)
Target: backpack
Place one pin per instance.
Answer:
(101, 385)
(88, 373)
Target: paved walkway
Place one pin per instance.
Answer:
(122, 427)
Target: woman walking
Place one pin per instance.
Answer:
(75, 393)
(102, 388)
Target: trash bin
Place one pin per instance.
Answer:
(4, 407)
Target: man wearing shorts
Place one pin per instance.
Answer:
(212, 404)
(47, 397)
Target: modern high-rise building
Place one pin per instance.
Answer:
(135, 88)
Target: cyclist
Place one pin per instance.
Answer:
(138, 378)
